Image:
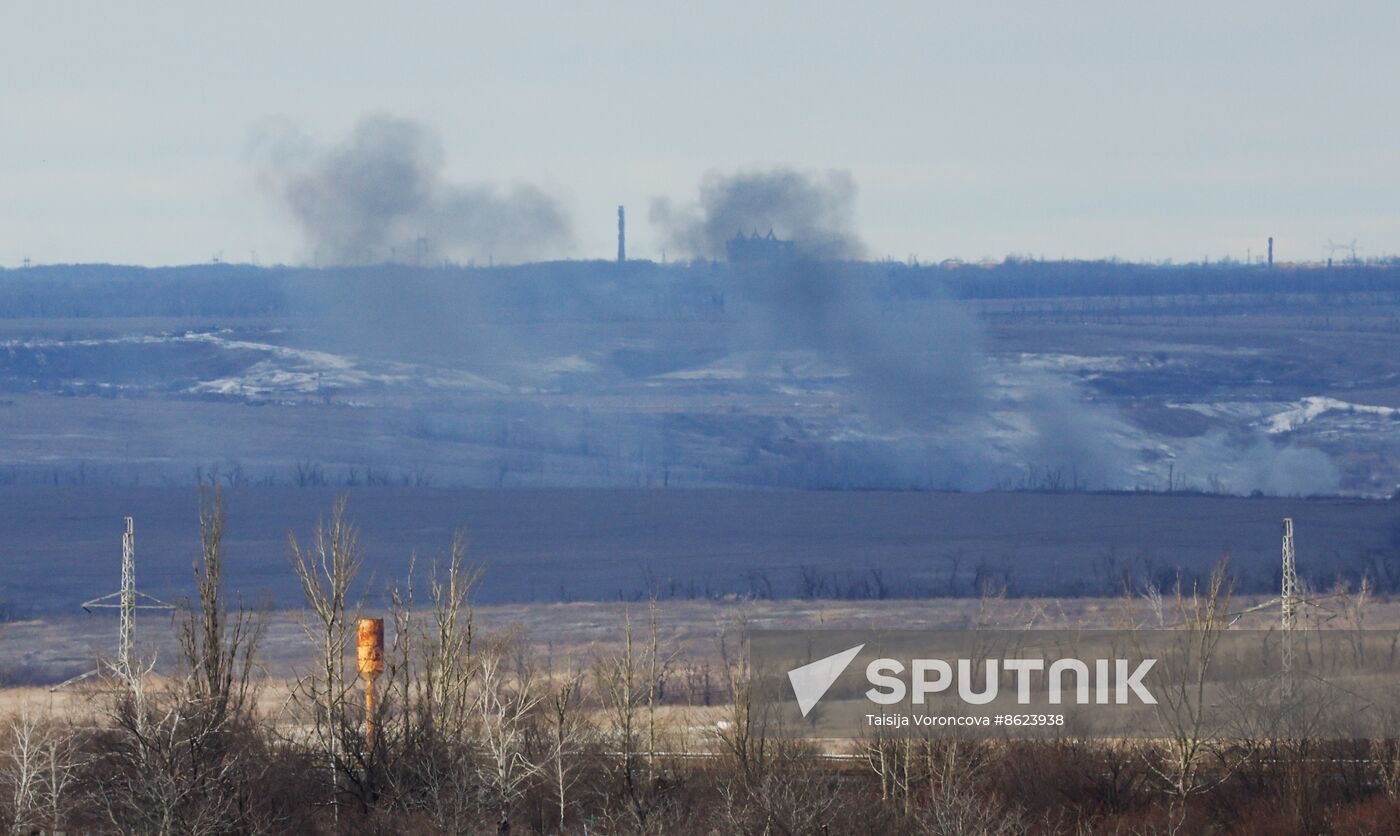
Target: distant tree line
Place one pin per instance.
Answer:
(606, 290)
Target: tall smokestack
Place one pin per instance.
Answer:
(621, 235)
(1271, 251)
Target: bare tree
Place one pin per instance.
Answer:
(745, 733)
(19, 772)
(619, 688)
(1354, 608)
(567, 731)
(658, 667)
(39, 770)
(448, 664)
(326, 571)
(628, 684)
(768, 784)
(219, 645)
(505, 701)
(1188, 744)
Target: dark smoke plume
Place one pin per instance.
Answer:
(379, 195)
(816, 211)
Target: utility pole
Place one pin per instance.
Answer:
(128, 600)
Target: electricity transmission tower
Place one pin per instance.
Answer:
(1288, 599)
(128, 600)
(1290, 602)
(1333, 248)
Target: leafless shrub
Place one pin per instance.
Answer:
(793, 794)
(155, 778)
(961, 813)
(40, 760)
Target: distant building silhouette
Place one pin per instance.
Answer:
(755, 247)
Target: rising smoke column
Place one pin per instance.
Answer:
(938, 408)
(817, 211)
(924, 379)
(929, 390)
(380, 195)
(927, 386)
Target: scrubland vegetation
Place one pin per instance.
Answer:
(478, 732)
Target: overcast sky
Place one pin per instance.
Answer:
(1081, 129)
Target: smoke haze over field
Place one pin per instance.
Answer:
(380, 195)
(819, 370)
(1255, 463)
(913, 373)
(806, 374)
(815, 210)
(951, 414)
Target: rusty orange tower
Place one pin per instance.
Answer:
(369, 658)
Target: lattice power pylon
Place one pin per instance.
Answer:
(1288, 597)
(128, 600)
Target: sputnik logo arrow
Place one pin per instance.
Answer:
(812, 680)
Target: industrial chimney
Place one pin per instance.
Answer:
(621, 235)
(1271, 251)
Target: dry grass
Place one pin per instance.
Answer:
(565, 638)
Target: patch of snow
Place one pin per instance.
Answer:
(1071, 362)
(572, 364)
(1249, 412)
(1311, 408)
(322, 359)
(267, 378)
(762, 365)
(286, 370)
